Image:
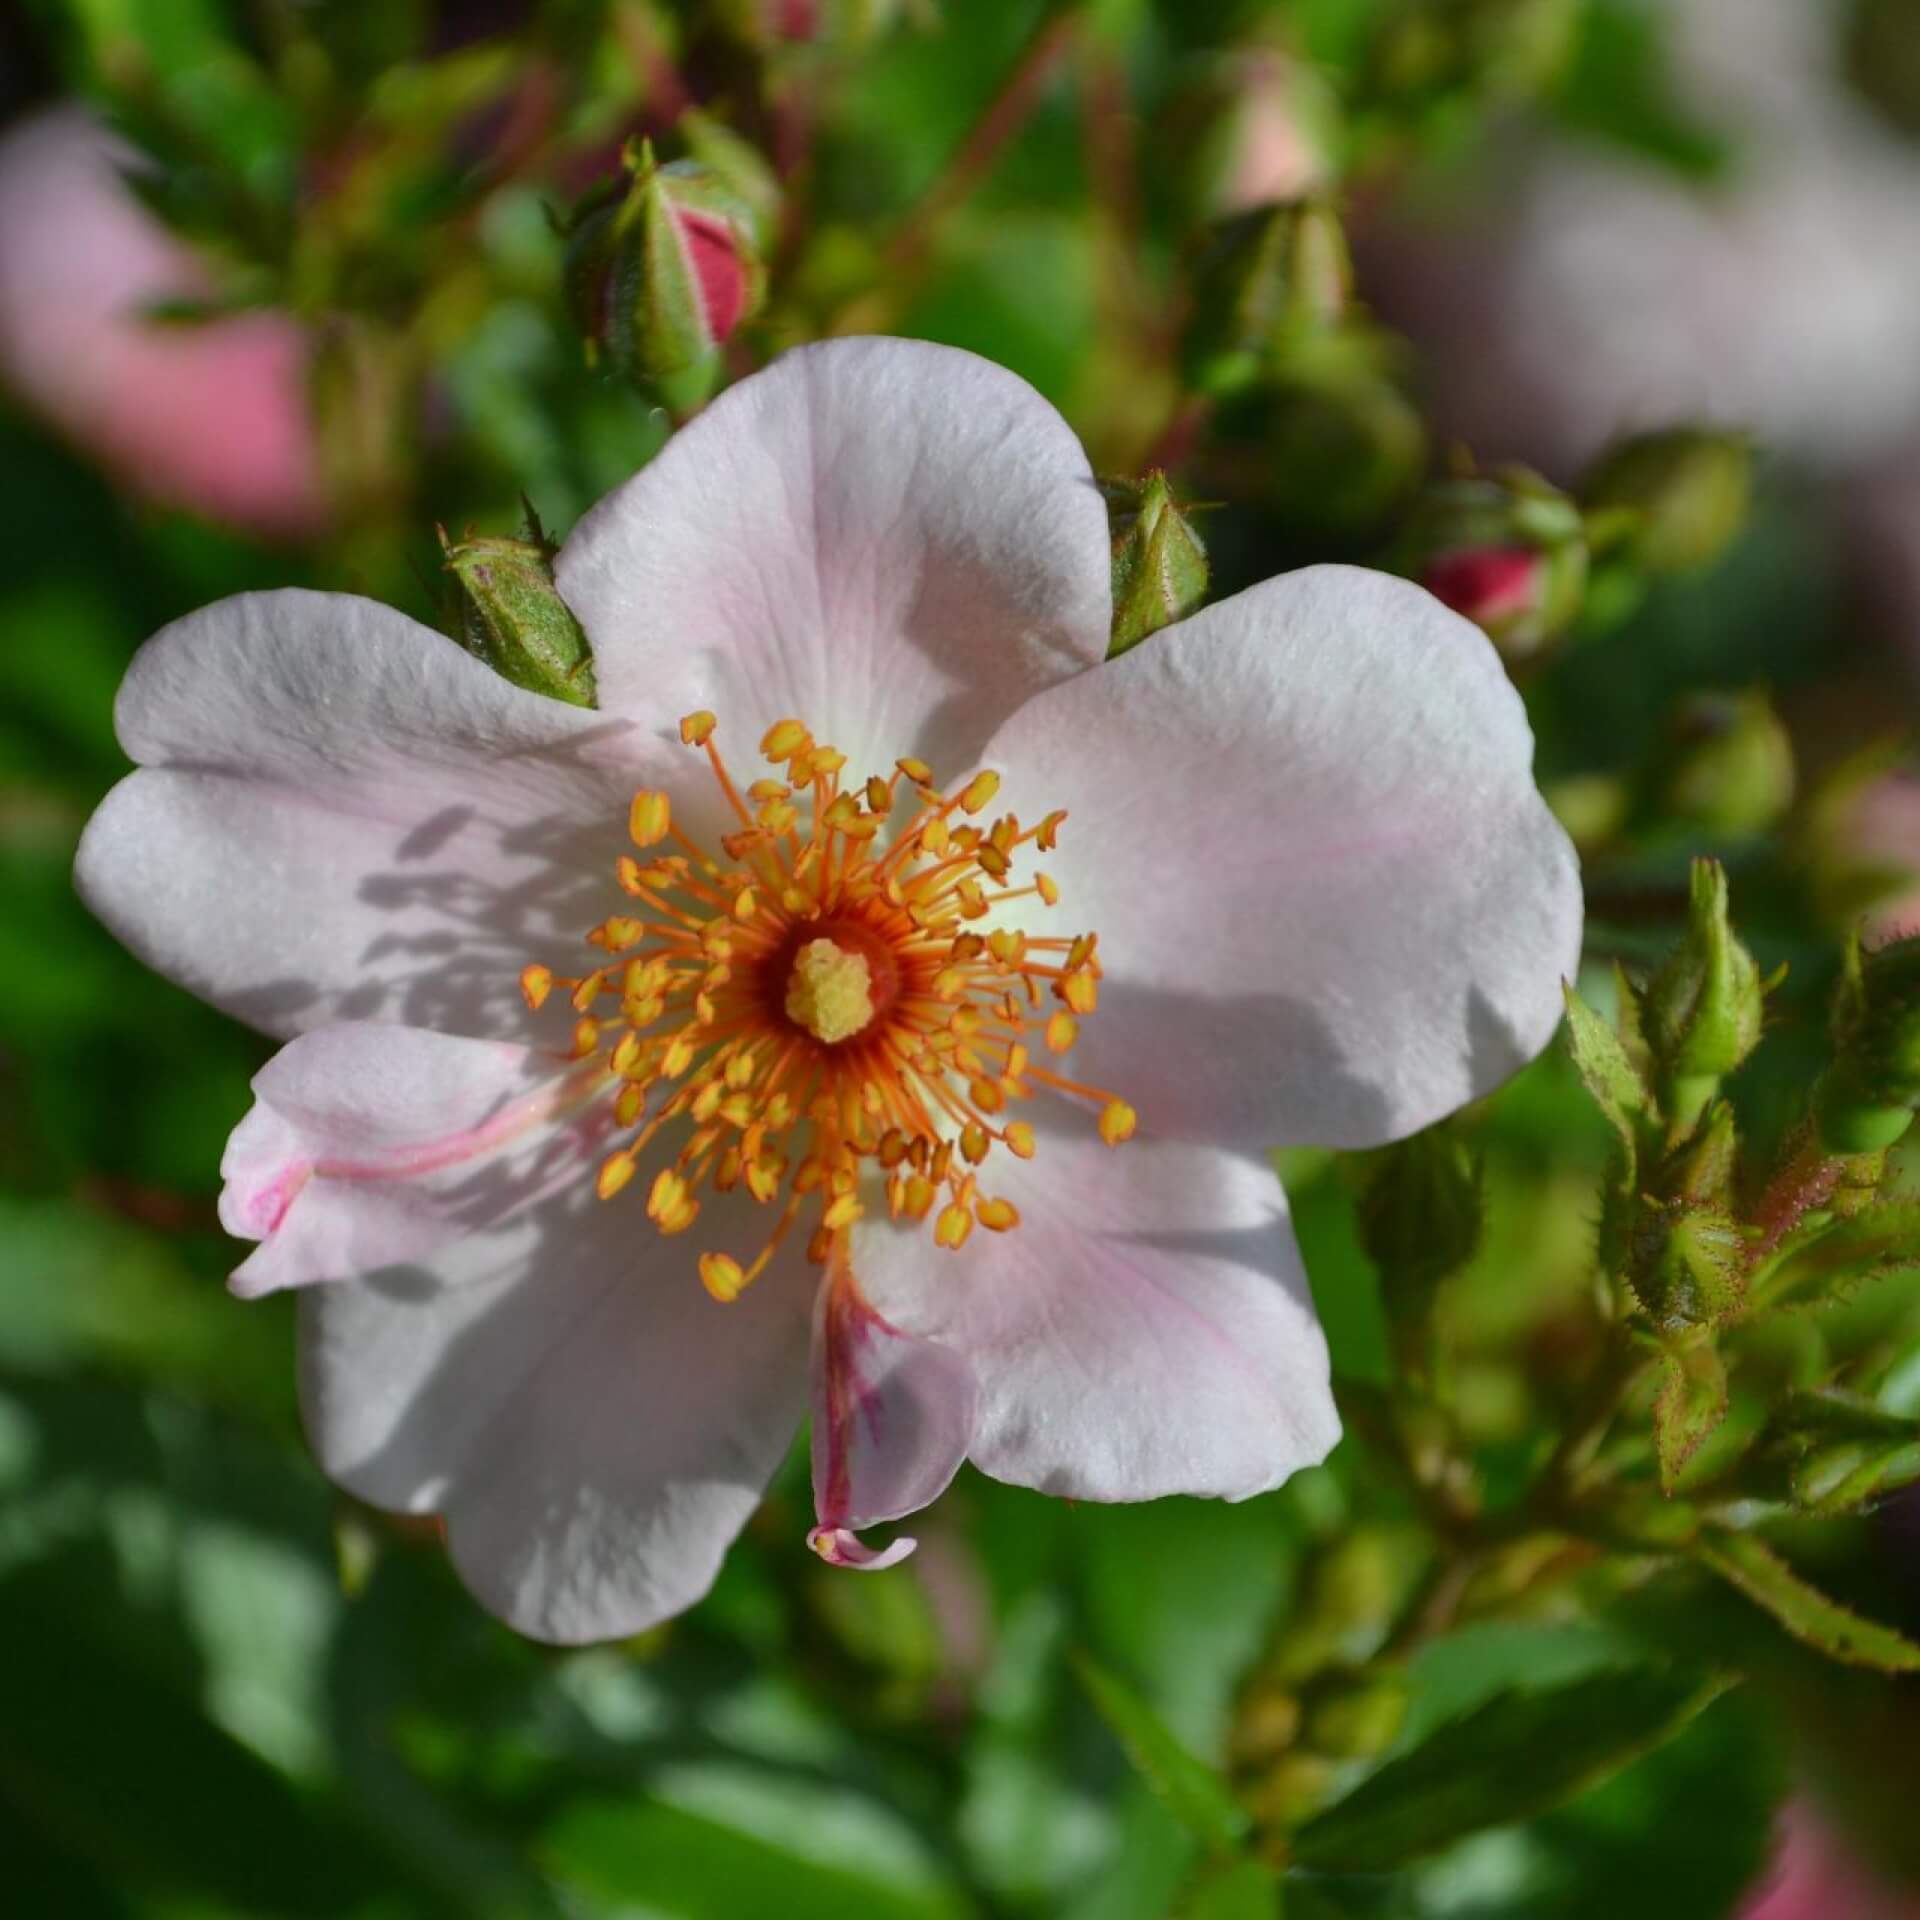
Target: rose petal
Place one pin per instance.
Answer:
(839, 1547)
(1332, 905)
(594, 1426)
(892, 1417)
(1145, 1330)
(340, 815)
(368, 1145)
(893, 542)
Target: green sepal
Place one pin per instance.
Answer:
(506, 611)
(1830, 1254)
(1703, 1010)
(1267, 284)
(1690, 1405)
(1159, 561)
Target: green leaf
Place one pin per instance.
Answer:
(1808, 1614)
(1246, 1890)
(641, 1854)
(1690, 1405)
(1616, 1084)
(1517, 1757)
(1191, 1790)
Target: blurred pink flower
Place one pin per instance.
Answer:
(209, 416)
(1577, 293)
(1816, 1877)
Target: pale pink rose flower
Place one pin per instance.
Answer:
(210, 416)
(1816, 1876)
(1581, 293)
(1330, 906)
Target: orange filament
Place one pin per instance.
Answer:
(828, 998)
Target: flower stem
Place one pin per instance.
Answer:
(970, 163)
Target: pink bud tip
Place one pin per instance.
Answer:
(1484, 583)
(714, 249)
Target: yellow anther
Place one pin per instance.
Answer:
(667, 1195)
(697, 728)
(722, 1276)
(916, 770)
(953, 1226)
(1117, 1122)
(979, 791)
(843, 1212)
(615, 1172)
(586, 1038)
(974, 1142)
(1020, 1139)
(1062, 1031)
(784, 739)
(936, 836)
(649, 817)
(830, 992)
(986, 1095)
(879, 796)
(1080, 991)
(1006, 946)
(994, 863)
(535, 984)
(1016, 1062)
(619, 933)
(680, 1219)
(626, 1108)
(740, 1070)
(1048, 837)
(1046, 887)
(765, 790)
(828, 760)
(744, 904)
(678, 1056)
(998, 1216)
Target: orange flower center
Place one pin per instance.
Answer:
(828, 998)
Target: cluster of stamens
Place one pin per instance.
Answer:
(830, 999)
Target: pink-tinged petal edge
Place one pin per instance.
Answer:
(1331, 902)
(592, 1426)
(369, 1145)
(892, 1419)
(340, 815)
(1146, 1330)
